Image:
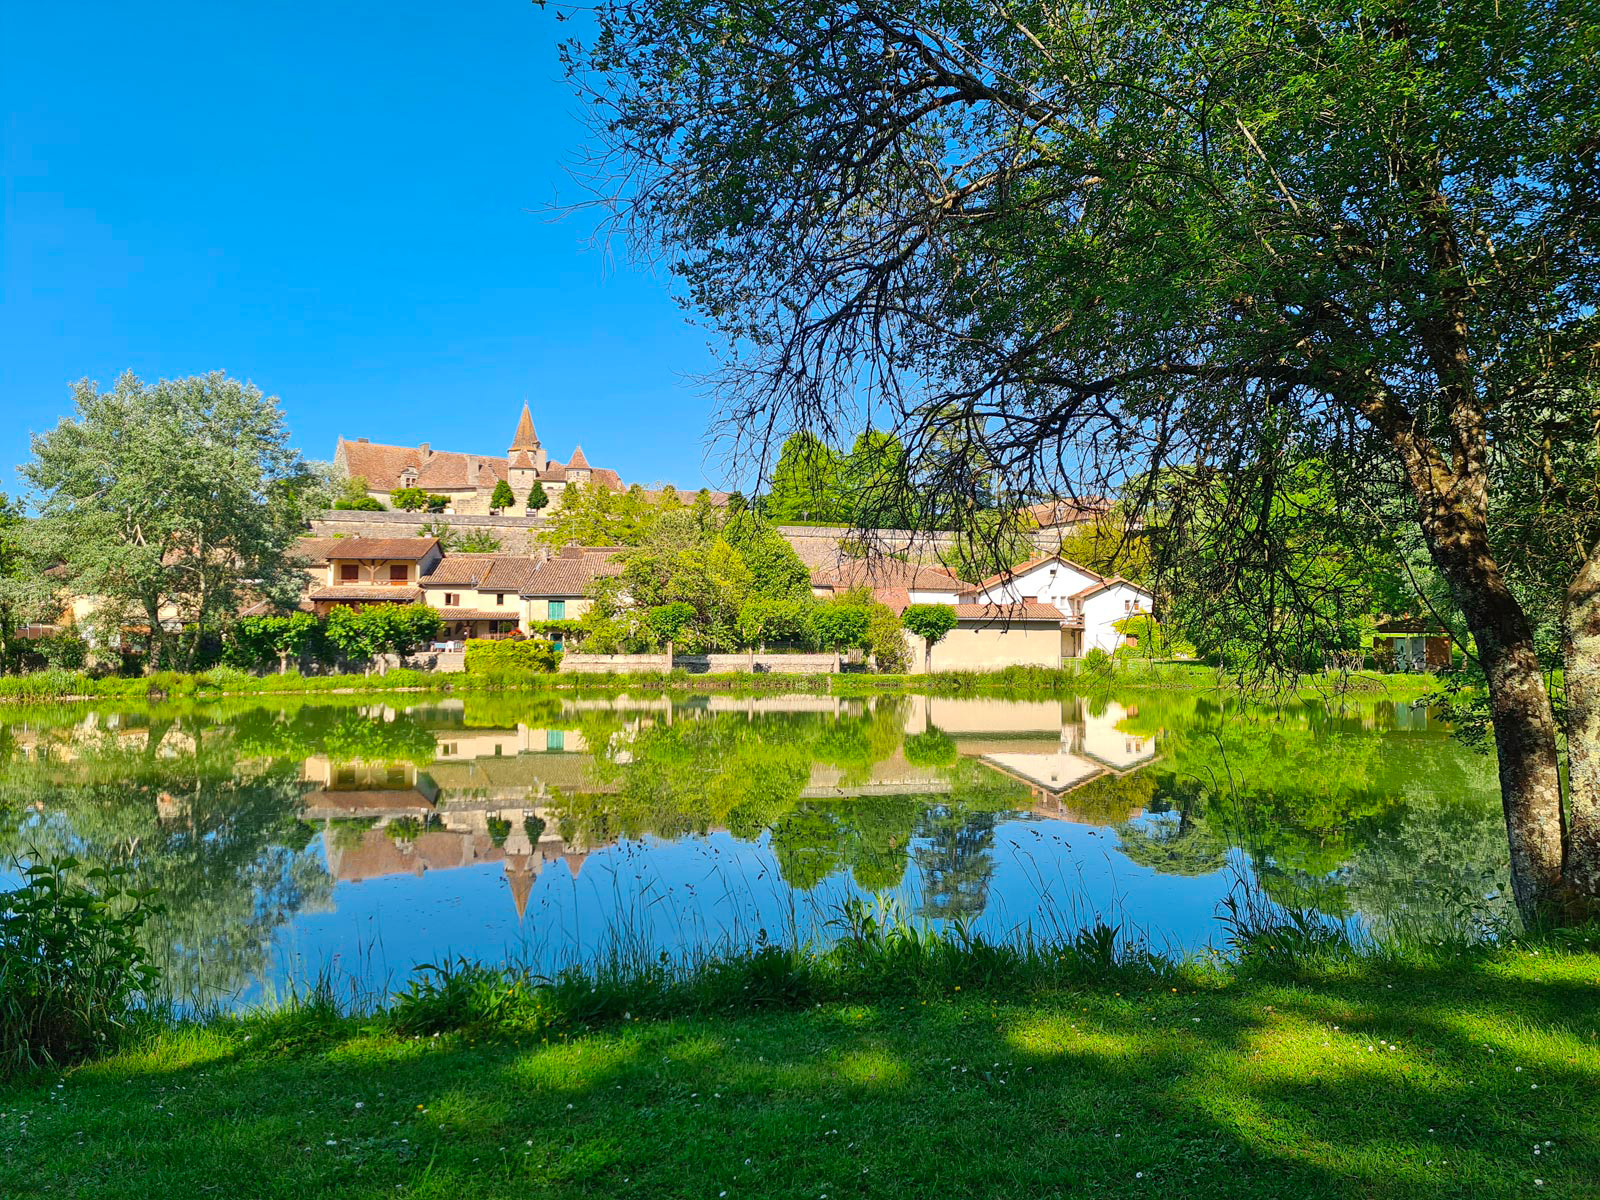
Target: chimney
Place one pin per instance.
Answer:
(363, 441)
(427, 451)
(472, 472)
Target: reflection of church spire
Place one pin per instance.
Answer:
(520, 874)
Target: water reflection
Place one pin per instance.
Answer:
(370, 836)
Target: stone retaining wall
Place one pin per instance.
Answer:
(700, 664)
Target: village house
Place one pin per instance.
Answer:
(492, 595)
(1038, 614)
(362, 571)
(1089, 603)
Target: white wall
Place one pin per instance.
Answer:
(1103, 608)
(1051, 582)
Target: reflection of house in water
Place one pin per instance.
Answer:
(1053, 746)
(495, 795)
(485, 799)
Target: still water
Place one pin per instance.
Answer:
(359, 837)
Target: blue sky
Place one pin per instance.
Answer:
(332, 201)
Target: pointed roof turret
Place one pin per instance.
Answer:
(526, 438)
(578, 460)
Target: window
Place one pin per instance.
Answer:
(555, 739)
(452, 599)
(349, 572)
(500, 599)
(398, 572)
(558, 610)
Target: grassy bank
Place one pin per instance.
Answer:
(59, 686)
(927, 1070)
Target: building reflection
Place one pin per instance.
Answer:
(497, 795)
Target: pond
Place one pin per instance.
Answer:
(356, 838)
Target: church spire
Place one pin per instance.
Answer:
(526, 438)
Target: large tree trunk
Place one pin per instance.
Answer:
(1582, 619)
(1524, 722)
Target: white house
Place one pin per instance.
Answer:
(1089, 603)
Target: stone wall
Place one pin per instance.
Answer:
(700, 664)
(614, 664)
(516, 533)
(819, 546)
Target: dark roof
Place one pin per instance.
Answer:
(411, 549)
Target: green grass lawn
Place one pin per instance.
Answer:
(1479, 1079)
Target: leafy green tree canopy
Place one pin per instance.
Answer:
(1094, 241)
(170, 503)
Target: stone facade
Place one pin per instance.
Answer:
(467, 481)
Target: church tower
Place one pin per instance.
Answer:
(526, 458)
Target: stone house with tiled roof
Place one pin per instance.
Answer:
(357, 572)
(489, 595)
(467, 481)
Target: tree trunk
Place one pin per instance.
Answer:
(1582, 661)
(1453, 519)
(1524, 723)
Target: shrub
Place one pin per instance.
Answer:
(72, 968)
(886, 640)
(506, 657)
(838, 626)
(64, 651)
(360, 504)
(1097, 660)
(933, 748)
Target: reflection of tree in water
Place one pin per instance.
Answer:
(1174, 843)
(954, 860)
(221, 845)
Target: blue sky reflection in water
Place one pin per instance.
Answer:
(367, 837)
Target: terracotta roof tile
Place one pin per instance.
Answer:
(888, 573)
(1069, 512)
(409, 549)
(1028, 610)
(578, 460)
(570, 574)
(507, 573)
(378, 464)
(313, 551)
(477, 614)
(459, 570)
(366, 592)
(525, 438)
